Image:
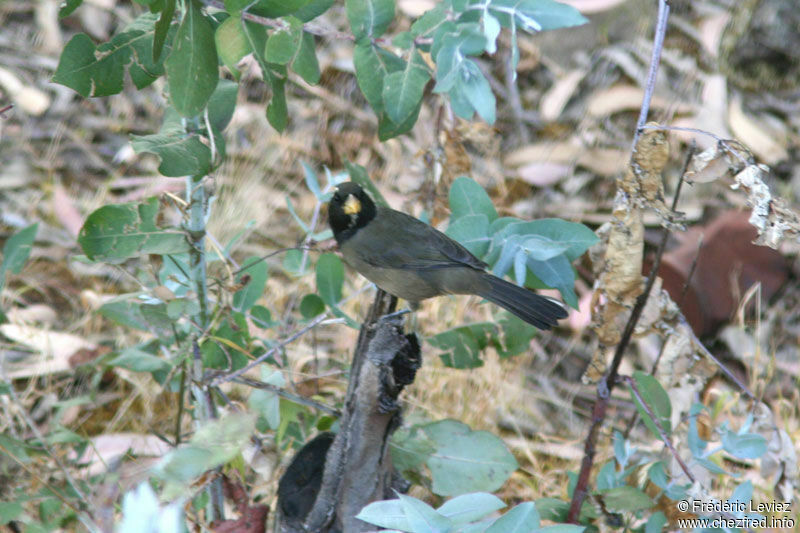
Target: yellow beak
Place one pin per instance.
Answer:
(352, 206)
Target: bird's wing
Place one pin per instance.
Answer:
(410, 243)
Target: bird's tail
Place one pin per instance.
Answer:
(534, 309)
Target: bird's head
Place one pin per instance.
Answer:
(350, 209)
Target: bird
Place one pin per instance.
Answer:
(414, 261)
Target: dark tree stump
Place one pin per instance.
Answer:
(324, 493)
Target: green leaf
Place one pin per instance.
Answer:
(574, 237)
(162, 28)
(472, 231)
(410, 448)
(267, 8)
(266, 402)
(403, 40)
(125, 312)
(656, 523)
(369, 18)
(232, 43)
(313, 9)
(462, 346)
(16, 448)
(312, 182)
(99, 71)
(626, 498)
(311, 305)
(466, 460)
(388, 514)
(181, 154)
(277, 112)
(517, 335)
(16, 251)
(538, 15)
(402, 90)
(429, 21)
(423, 517)
(656, 399)
(476, 88)
(261, 317)
(284, 43)
(293, 263)
(66, 9)
(467, 197)
(305, 63)
(118, 232)
(192, 70)
(222, 104)
(521, 519)
(373, 64)
(247, 296)
(214, 444)
(558, 240)
(470, 507)
(10, 511)
(388, 129)
(139, 361)
(451, 56)
(744, 446)
(330, 278)
(491, 29)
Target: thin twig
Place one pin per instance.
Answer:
(272, 351)
(606, 385)
(664, 437)
(514, 101)
(699, 345)
(296, 398)
(652, 73)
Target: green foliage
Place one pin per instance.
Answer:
(16, 251)
(446, 448)
(214, 444)
(266, 403)
(188, 48)
(369, 18)
(462, 346)
(468, 513)
(540, 251)
(657, 400)
(118, 232)
(99, 71)
(181, 154)
(256, 270)
(192, 65)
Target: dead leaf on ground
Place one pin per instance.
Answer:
(104, 450)
(52, 350)
(768, 143)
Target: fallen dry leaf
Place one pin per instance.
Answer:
(769, 145)
(555, 99)
(28, 98)
(104, 450)
(628, 98)
(53, 350)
